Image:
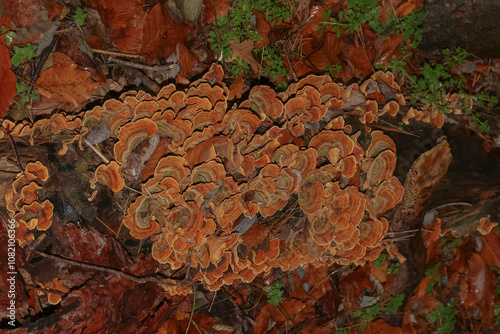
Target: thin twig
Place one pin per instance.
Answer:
(18, 161)
(406, 237)
(192, 310)
(138, 279)
(144, 67)
(96, 151)
(109, 228)
(450, 204)
(403, 232)
(113, 53)
(212, 303)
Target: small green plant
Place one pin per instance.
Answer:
(367, 314)
(237, 25)
(273, 62)
(8, 34)
(394, 303)
(275, 10)
(333, 69)
(392, 268)
(448, 246)
(80, 16)
(379, 261)
(275, 293)
(23, 90)
(22, 54)
(240, 66)
(408, 25)
(433, 273)
(359, 12)
(445, 315)
(433, 86)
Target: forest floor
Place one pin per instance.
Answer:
(437, 268)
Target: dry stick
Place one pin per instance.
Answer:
(321, 281)
(109, 228)
(406, 237)
(192, 310)
(451, 204)
(113, 53)
(138, 279)
(96, 151)
(403, 232)
(142, 66)
(212, 303)
(18, 161)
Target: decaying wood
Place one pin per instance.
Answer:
(422, 177)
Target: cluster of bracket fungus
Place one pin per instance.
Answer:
(23, 204)
(205, 167)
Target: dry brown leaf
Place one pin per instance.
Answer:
(244, 51)
(65, 82)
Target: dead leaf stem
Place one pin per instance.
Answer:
(192, 309)
(138, 279)
(116, 54)
(154, 68)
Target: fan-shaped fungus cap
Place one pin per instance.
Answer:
(388, 194)
(130, 135)
(329, 91)
(209, 172)
(186, 218)
(139, 220)
(38, 169)
(145, 109)
(218, 245)
(36, 215)
(311, 196)
(372, 231)
(108, 175)
(326, 140)
(296, 106)
(322, 228)
(172, 166)
(263, 102)
(392, 107)
(208, 150)
(381, 168)
(379, 143)
(485, 225)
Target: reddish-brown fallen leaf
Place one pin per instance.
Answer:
(65, 82)
(126, 18)
(236, 88)
(381, 327)
(296, 309)
(22, 12)
(221, 9)
(352, 286)
(262, 320)
(491, 249)
(244, 51)
(7, 77)
(161, 34)
(481, 284)
(387, 49)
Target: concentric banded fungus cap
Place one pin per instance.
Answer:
(327, 140)
(108, 175)
(130, 135)
(263, 102)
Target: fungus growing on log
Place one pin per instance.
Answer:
(216, 168)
